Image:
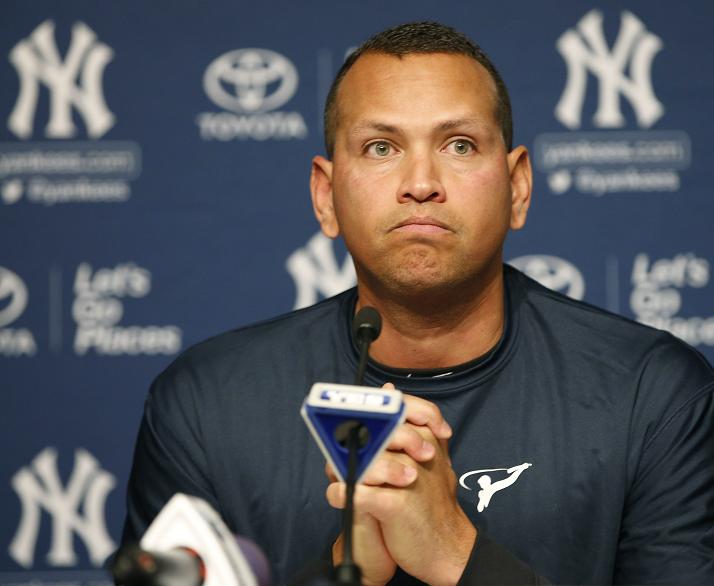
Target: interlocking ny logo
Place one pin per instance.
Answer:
(586, 49)
(37, 60)
(314, 270)
(39, 487)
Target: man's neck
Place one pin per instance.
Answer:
(433, 334)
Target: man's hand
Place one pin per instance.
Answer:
(369, 549)
(406, 511)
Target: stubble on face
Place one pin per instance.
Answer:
(414, 268)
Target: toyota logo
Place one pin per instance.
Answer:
(552, 272)
(13, 297)
(250, 81)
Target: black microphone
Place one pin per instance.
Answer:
(366, 327)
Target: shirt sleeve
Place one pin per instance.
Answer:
(169, 456)
(667, 531)
(493, 565)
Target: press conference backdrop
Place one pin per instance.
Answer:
(154, 161)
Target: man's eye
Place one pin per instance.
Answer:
(380, 149)
(462, 147)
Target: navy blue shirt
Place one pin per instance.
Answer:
(584, 442)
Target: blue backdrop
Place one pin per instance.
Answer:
(154, 159)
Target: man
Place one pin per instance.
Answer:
(582, 445)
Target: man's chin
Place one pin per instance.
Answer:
(433, 282)
(414, 283)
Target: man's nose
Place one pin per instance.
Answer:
(421, 180)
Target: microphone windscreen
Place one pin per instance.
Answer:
(256, 560)
(367, 325)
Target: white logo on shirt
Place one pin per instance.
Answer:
(488, 487)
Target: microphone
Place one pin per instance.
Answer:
(179, 567)
(188, 544)
(352, 425)
(367, 324)
(366, 327)
(331, 410)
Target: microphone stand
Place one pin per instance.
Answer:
(364, 343)
(348, 572)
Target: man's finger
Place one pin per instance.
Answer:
(335, 494)
(407, 439)
(389, 469)
(423, 412)
(380, 502)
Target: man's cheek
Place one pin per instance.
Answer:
(356, 191)
(491, 181)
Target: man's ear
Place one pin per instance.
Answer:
(321, 190)
(519, 166)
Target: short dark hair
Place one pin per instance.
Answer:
(415, 38)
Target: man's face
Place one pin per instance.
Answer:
(420, 186)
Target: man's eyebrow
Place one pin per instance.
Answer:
(457, 123)
(445, 126)
(366, 125)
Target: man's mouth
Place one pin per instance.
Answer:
(422, 225)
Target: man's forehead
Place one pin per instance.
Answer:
(376, 65)
(378, 79)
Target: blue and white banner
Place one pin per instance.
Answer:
(154, 159)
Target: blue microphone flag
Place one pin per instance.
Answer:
(330, 405)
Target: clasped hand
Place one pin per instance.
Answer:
(406, 511)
